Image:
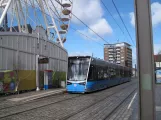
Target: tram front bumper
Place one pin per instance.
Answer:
(76, 88)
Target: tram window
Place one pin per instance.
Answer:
(122, 72)
(113, 72)
(106, 73)
(126, 73)
(100, 73)
(91, 73)
(117, 72)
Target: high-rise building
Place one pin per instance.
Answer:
(120, 53)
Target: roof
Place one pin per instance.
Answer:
(119, 43)
(79, 56)
(99, 61)
(15, 28)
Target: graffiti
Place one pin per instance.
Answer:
(6, 86)
(12, 86)
(11, 74)
(7, 81)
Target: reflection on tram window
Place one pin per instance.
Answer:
(77, 69)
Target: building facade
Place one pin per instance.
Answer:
(157, 59)
(120, 53)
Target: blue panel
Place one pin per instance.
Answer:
(102, 84)
(95, 85)
(46, 87)
(76, 88)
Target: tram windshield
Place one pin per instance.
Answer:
(78, 68)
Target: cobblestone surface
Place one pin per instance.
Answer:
(158, 101)
(6, 102)
(96, 106)
(123, 113)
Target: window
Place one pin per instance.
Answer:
(78, 68)
(106, 73)
(112, 72)
(100, 73)
(91, 74)
(122, 72)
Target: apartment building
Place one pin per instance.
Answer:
(120, 53)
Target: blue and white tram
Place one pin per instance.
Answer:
(87, 74)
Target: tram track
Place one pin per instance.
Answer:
(77, 112)
(38, 100)
(42, 99)
(120, 104)
(59, 101)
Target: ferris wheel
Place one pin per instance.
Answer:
(49, 18)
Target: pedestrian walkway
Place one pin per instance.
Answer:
(158, 101)
(129, 110)
(32, 95)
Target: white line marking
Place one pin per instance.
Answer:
(132, 101)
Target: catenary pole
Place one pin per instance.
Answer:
(145, 59)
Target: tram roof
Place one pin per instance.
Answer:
(101, 61)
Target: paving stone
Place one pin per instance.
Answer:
(93, 106)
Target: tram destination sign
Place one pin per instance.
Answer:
(43, 60)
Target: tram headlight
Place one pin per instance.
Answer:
(83, 83)
(69, 83)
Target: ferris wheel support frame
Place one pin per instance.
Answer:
(55, 27)
(5, 10)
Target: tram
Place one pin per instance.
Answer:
(87, 74)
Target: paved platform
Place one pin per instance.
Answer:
(32, 95)
(158, 101)
(93, 106)
(129, 110)
(115, 103)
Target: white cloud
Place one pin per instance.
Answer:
(102, 31)
(91, 13)
(88, 11)
(155, 12)
(157, 48)
(101, 27)
(132, 17)
(88, 35)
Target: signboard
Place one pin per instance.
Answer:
(43, 60)
(158, 76)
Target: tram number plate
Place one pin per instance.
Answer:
(75, 85)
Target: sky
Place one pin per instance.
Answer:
(94, 14)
